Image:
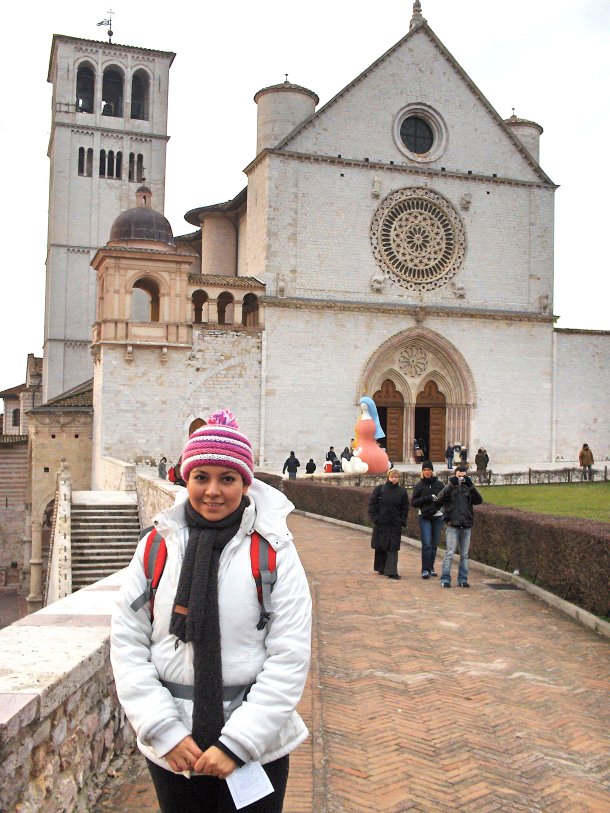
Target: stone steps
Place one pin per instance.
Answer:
(104, 538)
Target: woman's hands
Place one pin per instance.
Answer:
(183, 756)
(215, 762)
(187, 756)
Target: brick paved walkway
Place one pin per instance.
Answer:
(430, 700)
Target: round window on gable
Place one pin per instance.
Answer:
(420, 133)
(416, 135)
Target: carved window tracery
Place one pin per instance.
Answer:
(418, 239)
(413, 361)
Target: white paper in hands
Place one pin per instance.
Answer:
(248, 784)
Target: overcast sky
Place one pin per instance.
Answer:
(548, 59)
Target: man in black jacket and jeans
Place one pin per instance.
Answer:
(430, 516)
(458, 498)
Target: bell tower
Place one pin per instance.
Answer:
(108, 137)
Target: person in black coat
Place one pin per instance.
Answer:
(291, 465)
(458, 498)
(388, 508)
(430, 516)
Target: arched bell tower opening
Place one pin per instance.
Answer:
(423, 389)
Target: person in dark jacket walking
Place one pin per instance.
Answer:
(388, 508)
(291, 465)
(449, 455)
(481, 461)
(458, 497)
(310, 466)
(430, 516)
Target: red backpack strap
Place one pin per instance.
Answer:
(264, 571)
(155, 554)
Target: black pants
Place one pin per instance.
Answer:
(207, 794)
(386, 562)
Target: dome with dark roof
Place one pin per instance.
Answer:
(142, 223)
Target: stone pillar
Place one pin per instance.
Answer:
(35, 597)
(409, 431)
(26, 542)
(213, 311)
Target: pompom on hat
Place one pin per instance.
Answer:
(219, 443)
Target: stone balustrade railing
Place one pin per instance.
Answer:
(59, 576)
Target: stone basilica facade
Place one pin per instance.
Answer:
(396, 242)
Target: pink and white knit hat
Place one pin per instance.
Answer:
(219, 443)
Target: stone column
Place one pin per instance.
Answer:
(27, 549)
(409, 433)
(35, 597)
(213, 311)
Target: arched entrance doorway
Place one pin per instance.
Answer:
(391, 407)
(430, 421)
(435, 384)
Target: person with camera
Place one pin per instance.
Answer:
(458, 498)
(430, 516)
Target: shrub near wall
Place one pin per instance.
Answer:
(347, 503)
(567, 556)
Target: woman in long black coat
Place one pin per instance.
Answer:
(388, 508)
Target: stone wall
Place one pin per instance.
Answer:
(312, 404)
(144, 405)
(57, 436)
(60, 720)
(582, 394)
(508, 260)
(13, 499)
(154, 495)
(115, 475)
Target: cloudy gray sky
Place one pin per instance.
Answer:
(548, 59)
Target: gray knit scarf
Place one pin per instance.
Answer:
(195, 616)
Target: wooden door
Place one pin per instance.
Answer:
(434, 399)
(389, 397)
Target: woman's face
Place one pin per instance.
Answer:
(215, 492)
(394, 477)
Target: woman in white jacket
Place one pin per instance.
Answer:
(206, 689)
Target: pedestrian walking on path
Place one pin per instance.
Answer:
(291, 465)
(458, 498)
(206, 682)
(388, 508)
(430, 516)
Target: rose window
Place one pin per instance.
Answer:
(413, 361)
(418, 239)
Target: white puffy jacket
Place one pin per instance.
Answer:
(275, 660)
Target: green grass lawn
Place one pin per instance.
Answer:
(585, 500)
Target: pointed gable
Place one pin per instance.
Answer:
(363, 120)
